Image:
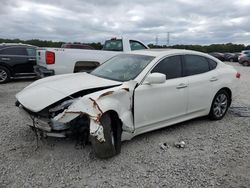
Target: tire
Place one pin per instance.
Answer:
(112, 134)
(220, 105)
(231, 60)
(245, 63)
(4, 75)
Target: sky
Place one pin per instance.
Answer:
(187, 21)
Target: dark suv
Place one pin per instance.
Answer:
(16, 60)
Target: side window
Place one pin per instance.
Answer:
(14, 51)
(135, 45)
(212, 64)
(171, 67)
(31, 51)
(195, 65)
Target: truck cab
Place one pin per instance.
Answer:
(54, 61)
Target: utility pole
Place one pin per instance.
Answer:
(168, 38)
(156, 40)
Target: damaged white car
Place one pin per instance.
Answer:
(130, 94)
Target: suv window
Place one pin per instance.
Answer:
(135, 45)
(31, 51)
(170, 66)
(212, 64)
(14, 51)
(195, 65)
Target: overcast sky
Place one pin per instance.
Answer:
(188, 21)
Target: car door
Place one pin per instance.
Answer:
(202, 82)
(31, 59)
(18, 59)
(156, 104)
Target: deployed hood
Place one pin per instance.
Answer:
(47, 91)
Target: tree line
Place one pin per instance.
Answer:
(229, 47)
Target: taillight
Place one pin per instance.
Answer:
(50, 57)
(237, 75)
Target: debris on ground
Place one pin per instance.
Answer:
(164, 146)
(240, 111)
(180, 144)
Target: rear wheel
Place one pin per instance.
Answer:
(219, 105)
(245, 63)
(4, 75)
(112, 133)
(231, 60)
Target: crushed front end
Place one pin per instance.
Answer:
(46, 123)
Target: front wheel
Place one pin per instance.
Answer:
(112, 133)
(219, 105)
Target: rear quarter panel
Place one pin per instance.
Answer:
(227, 78)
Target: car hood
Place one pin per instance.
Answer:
(47, 91)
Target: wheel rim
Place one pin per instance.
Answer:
(220, 105)
(3, 75)
(245, 63)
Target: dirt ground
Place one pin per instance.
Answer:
(217, 153)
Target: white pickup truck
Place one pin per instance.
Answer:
(54, 61)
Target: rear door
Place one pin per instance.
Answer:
(18, 59)
(202, 82)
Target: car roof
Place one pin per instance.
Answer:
(4, 45)
(166, 51)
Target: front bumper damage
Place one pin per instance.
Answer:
(46, 126)
(63, 124)
(85, 113)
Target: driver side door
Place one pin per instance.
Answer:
(158, 105)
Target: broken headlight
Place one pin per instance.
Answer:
(61, 107)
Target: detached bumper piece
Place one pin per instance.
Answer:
(42, 72)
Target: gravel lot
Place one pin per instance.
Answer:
(217, 154)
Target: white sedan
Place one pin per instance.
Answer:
(128, 95)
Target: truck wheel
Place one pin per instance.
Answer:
(112, 134)
(4, 75)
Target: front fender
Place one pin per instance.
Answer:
(118, 99)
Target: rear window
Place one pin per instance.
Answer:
(113, 45)
(14, 51)
(195, 64)
(31, 51)
(212, 64)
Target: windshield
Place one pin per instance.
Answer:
(113, 45)
(123, 67)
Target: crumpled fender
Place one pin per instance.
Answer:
(118, 99)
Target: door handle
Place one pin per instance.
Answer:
(30, 59)
(5, 58)
(213, 79)
(182, 85)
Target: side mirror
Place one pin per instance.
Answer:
(155, 78)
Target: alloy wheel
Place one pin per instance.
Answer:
(220, 105)
(3, 75)
(245, 63)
